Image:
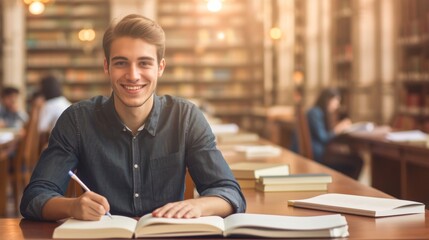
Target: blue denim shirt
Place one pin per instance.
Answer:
(136, 174)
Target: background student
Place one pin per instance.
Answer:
(324, 125)
(54, 103)
(132, 149)
(10, 114)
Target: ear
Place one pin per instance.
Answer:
(161, 67)
(106, 67)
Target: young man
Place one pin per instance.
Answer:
(10, 115)
(133, 148)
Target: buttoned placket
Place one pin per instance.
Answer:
(135, 157)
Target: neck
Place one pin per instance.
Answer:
(134, 117)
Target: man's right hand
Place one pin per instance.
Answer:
(88, 206)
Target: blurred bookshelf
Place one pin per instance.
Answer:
(213, 57)
(344, 72)
(299, 44)
(1, 44)
(412, 86)
(54, 46)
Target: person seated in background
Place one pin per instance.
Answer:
(10, 114)
(54, 103)
(324, 126)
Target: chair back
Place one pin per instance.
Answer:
(27, 154)
(303, 133)
(189, 186)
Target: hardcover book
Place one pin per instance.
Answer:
(253, 170)
(360, 205)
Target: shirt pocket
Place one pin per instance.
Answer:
(168, 174)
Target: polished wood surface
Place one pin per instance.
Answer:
(397, 227)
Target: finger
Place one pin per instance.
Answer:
(91, 207)
(100, 200)
(175, 209)
(162, 211)
(193, 213)
(183, 211)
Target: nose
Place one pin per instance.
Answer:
(133, 74)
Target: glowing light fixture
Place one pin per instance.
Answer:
(214, 5)
(220, 35)
(87, 35)
(36, 8)
(276, 33)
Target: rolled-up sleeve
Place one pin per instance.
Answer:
(50, 178)
(208, 168)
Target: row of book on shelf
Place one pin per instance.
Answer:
(263, 176)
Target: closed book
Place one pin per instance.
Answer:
(246, 183)
(258, 151)
(291, 187)
(239, 224)
(240, 137)
(253, 170)
(296, 178)
(360, 205)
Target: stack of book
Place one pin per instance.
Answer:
(247, 173)
(294, 182)
(258, 151)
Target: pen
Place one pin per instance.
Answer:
(72, 175)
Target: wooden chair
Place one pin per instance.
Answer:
(27, 154)
(303, 133)
(189, 186)
(5, 150)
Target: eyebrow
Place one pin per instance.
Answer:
(124, 58)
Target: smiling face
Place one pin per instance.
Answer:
(133, 70)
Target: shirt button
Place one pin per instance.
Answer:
(134, 138)
(136, 166)
(136, 195)
(124, 129)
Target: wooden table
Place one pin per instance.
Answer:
(399, 169)
(398, 227)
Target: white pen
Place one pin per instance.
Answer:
(72, 175)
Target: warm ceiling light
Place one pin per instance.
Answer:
(214, 5)
(275, 33)
(220, 35)
(36, 8)
(87, 35)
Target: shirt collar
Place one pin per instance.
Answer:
(151, 122)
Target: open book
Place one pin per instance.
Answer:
(407, 136)
(259, 225)
(360, 127)
(360, 205)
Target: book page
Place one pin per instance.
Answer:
(117, 226)
(279, 222)
(360, 127)
(407, 136)
(149, 226)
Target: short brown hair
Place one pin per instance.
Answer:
(135, 26)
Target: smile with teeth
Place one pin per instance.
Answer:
(133, 88)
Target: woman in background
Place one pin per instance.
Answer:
(322, 121)
(55, 103)
(324, 126)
